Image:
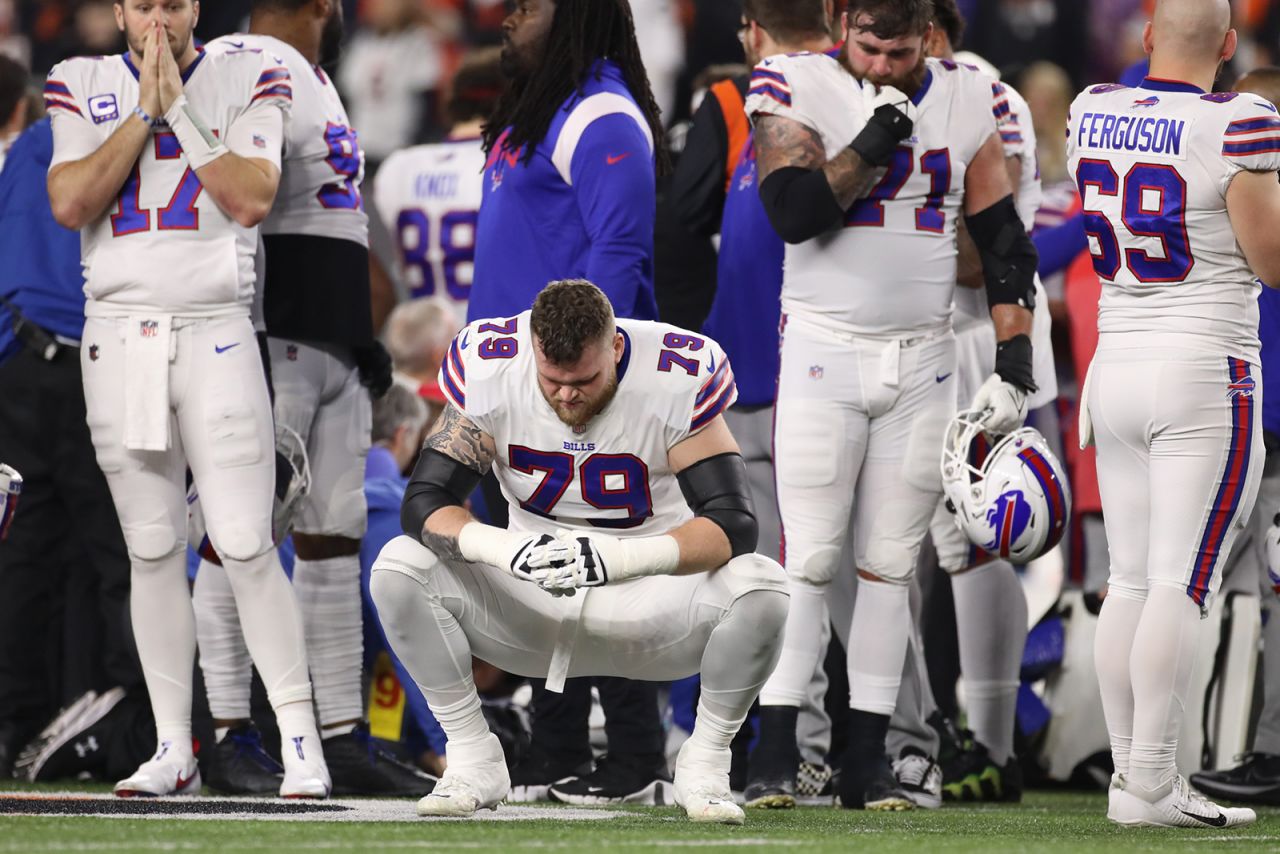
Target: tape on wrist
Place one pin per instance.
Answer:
(197, 141)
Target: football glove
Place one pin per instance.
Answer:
(593, 560)
(893, 118)
(1003, 406)
(516, 552)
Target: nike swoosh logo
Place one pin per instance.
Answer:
(466, 339)
(1219, 820)
(218, 349)
(615, 159)
(943, 378)
(239, 45)
(183, 783)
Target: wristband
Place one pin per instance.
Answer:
(199, 145)
(647, 556)
(1014, 363)
(142, 114)
(481, 543)
(879, 139)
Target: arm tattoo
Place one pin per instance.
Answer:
(454, 435)
(782, 142)
(445, 548)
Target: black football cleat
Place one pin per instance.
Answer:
(1256, 780)
(240, 765)
(775, 763)
(618, 779)
(358, 765)
(534, 775)
(869, 784)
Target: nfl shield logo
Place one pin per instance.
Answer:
(816, 372)
(149, 329)
(291, 352)
(259, 141)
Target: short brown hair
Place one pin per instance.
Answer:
(788, 20)
(892, 19)
(568, 316)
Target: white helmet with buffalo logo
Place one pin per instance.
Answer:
(1012, 499)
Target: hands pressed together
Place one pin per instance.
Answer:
(159, 79)
(567, 561)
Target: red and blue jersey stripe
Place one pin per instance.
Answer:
(772, 84)
(716, 395)
(1231, 487)
(58, 96)
(453, 376)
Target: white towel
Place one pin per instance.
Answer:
(562, 655)
(147, 350)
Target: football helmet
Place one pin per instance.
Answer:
(10, 490)
(1010, 499)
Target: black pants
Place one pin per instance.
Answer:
(64, 570)
(631, 720)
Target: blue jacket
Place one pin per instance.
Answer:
(1269, 333)
(41, 271)
(744, 316)
(535, 228)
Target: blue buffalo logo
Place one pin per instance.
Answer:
(1009, 510)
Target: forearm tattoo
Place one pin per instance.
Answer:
(454, 435)
(782, 142)
(445, 548)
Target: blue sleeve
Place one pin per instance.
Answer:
(1059, 246)
(614, 182)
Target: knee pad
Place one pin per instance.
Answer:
(754, 572)
(766, 608)
(239, 542)
(891, 560)
(235, 439)
(151, 542)
(955, 552)
(928, 430)
(817, 568)
(406, 556)
(809, 439)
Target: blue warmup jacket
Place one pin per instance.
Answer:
(41, 271)
(744, 316)
(582, 207)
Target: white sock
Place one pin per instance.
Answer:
(224, 656)
(739, 657)
(165, 632)
(878, 645)
(328, 594)
(272, 627)
(991, 621)
(1112, 648)
(1164, 654)
(431, 645)
(801, 646)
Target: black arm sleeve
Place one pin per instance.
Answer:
(800, 203)
(1009, 258)
(438, 481)
(697, 188)
(717, 489)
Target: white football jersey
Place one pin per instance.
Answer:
(319, 191)
(1153, 165)
(429, 197)
(165, 245)
(614, 474)
(891, 270)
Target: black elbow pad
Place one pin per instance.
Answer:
(1009, 258)
(800, 203)
(437, 481)
(717, 489)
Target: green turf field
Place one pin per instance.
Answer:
(1046, 822)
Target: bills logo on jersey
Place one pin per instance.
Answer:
(1241, 388)
(1008, 518)
(148, 329)
(103, 108)
(1147, 102)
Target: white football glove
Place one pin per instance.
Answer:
(599, 559)
(879, 96)
(516, 552)
(1004, 406)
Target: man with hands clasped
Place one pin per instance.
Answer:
(168, 195)
(627, 490)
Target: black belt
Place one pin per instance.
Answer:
(35, 338)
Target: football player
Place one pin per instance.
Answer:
(167, 159)
(1180, 195)
(429, 195)
(320, 340)
(867, 159)
(625, 488)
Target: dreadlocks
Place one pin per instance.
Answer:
(582, 32)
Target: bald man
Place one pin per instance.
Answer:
(1180, 197)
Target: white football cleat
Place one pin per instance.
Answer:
(1114, 789)
(305, 773)
(920, 777)
(701, 784)
(1182, 807)
(476, 778)
(169, 772)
